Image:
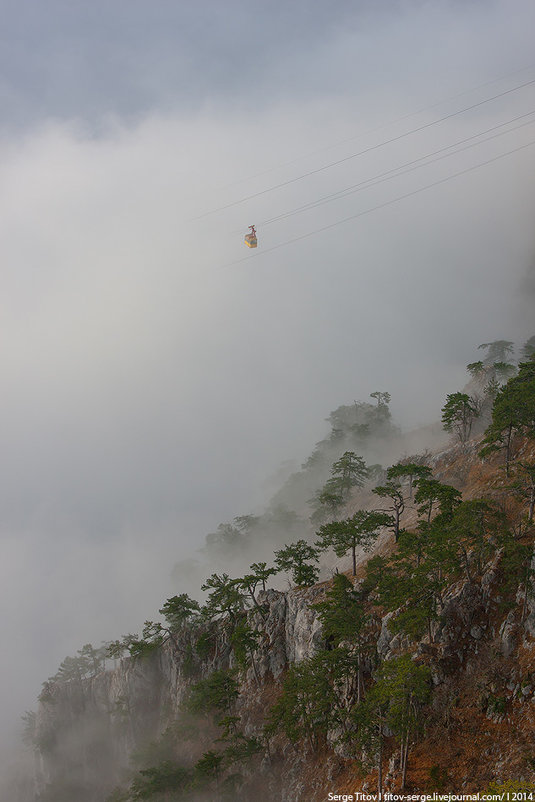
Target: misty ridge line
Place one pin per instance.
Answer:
(286, 514)
(380, 206)
(362, 152)
(278, 520)
(381, 127)
(229, 598)
(398, 171)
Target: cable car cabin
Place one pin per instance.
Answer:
(250, 238)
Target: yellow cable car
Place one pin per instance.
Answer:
(250, 239)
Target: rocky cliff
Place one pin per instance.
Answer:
(88, 730)
(479, 721)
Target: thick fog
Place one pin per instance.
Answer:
(155, 372)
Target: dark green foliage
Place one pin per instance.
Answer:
(69, 669)
(497, 351)
(460, 538)
(408, 471)
(153, 636)
(88, 663)
(312, 698)
(472, 534)
(262, 573)
(217, 693)
(244, 641)
(160, 781)
(528, 349)
(432, 493)
(407, 686)
(516, 566)
(189, 665)
(296, 559)
(375, 569)
(413, 580)
(413, 583)
(204, 644)
(238, 748)
(361, 529)
(165, 777)
(489, 377)
(415, 619)
(342, 613)
(353, 428)
(326, 501)
(93, 660)
(459, 413)
(392, 490)
(117, 648)
(513, 412)
(345, 620)
(214, 767)
(179, 609)
(395, 702)
(226, 599)
(229, 725)
(242, 749)
(475, 369)
(209, 766)
(259, 575)
(524, 485)
(349, 471)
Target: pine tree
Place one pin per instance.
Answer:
(459, 413)
(513, 412)
(361, 529)
(297, 558)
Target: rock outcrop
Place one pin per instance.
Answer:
(90, 728)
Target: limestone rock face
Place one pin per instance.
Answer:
(272, 657)
(291, 629)
(91, 727)
(385, 636)
(303, 627)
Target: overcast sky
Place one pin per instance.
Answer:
(154, 371)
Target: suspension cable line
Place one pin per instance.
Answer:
(366, 150)
(401, 170)
(387, 124)
(384, 205)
